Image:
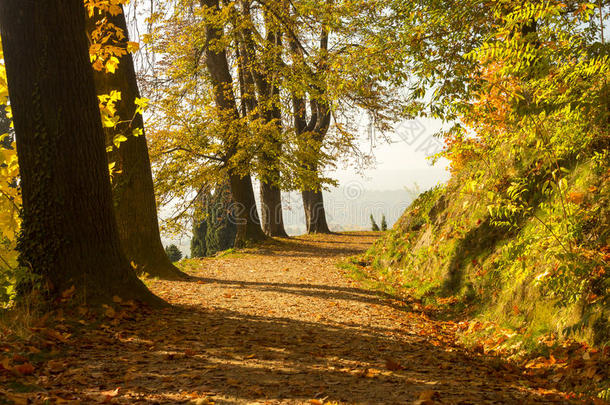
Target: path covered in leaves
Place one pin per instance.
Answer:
(279, 324)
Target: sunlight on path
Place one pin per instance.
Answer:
(280, 324)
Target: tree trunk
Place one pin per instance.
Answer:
(272, 218)
(315, 215)
(246, 215)
(313, 133)
(313, 201)
(248, 227)
(133, 191)
(258, 81)
(69, 234)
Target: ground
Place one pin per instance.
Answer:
(277, 324)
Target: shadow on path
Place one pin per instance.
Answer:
(241, 358)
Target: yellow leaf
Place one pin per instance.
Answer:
(118, 139)
(132, 47)
(112, 64)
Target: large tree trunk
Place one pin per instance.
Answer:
(315, 215)
(313, 200)
(272, 218)
(132, 187)
(246, 215)
(217, 64)
(69, 234)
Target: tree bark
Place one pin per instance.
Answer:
(248, 227)
(69, 234)
(272, 218)
(246, 215)
(313, 199)
(315, 215)
(133, 191)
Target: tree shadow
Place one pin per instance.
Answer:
(326, 292)
(240, 358)
(308, 247)
(482, 238)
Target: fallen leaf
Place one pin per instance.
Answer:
(393, 365)
(56, 366)
(108, 395)
(24, 369)
(232, 381)
(56, 335)
(110, 312)
(17, 399)
(5, 363)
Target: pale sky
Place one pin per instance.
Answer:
(403, 163)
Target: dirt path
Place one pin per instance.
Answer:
(281, 324)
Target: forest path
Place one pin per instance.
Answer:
(281, 324)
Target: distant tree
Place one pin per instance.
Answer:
(374, 226)
(384, 224)
(173, 253)
(200, 230)
(214, 223)
(5, 127)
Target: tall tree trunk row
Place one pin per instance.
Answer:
(69, 233)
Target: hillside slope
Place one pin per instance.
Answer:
(505, 243)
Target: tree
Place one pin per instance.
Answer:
(198, 243)
(384, 224)
(291, 77)
(173, 253)
(248, 223)
(374, 226)
(214, 223)
(69, 235)
(132, 184)
(310, 134)
(260, 78)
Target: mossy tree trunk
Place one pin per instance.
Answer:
(133, 191)
(69, 234)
